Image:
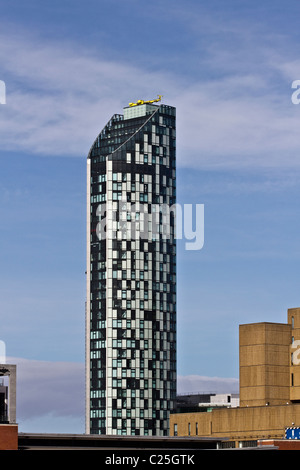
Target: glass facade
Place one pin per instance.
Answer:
(131, 274)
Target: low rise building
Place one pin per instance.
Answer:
(269, 388)
(196, 402)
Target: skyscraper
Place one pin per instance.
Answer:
(131, 273)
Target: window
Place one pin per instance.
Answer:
(175, 429)
(117, 363)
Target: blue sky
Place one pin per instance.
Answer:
(68, 66)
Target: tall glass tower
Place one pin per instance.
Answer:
(131, 273)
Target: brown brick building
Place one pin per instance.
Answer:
(8, 437)
(269, 388)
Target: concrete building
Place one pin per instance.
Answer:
(269, 388)
(8, 392)
(131, 273)
(205, 401)
(8, 426)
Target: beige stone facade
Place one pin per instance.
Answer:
(269, 387)
(237, 424)
(264, 364)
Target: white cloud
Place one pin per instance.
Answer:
(60, 96)
(49, 388)
(226, 128)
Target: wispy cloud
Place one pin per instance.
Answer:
(59, 96)
(52, 394)
(49, 392)
(203, 384)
